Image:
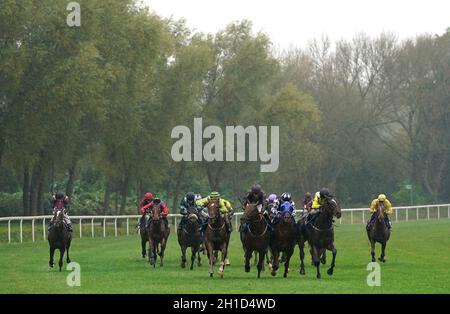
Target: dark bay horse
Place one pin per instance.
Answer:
(257, 236)
(157, 236)
(142, 225)
(59, 238)
(216, 236)
(320, 235)
(190, 236)
(283, 239)
(379, 232)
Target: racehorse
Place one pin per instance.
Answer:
(283, 239)
(59, 238)
(256, 238)
(320, 235)
(216, 236)
(379, 232)
(190, 236)
(142, 225)
(157, 236)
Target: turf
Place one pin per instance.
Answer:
(418, 258)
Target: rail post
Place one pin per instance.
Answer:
(43, 228)
(406, 214)
(81, 228)
(21, 234)
(128, 226)
(9, 231)
(92, 227)
(104, 227)
(428, 213)
(115, 227)
(417, 213)
(32, 229)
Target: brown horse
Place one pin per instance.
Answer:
(216, 236)
(256, 238)
(59, 238)
(283, 240)
(379, 232)
(320, 235)
(189, 236)
(157, 236)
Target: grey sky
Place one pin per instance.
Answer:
(294, 22)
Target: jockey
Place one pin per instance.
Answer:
(373, 208)
(307, 202)
(60, 201)
(254, 196)
(162, 207)
(144, 204)
(277, 208)
(224, 206)
(189, 201)
(271, 201)
(319, 200)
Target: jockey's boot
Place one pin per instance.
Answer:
(50, 224)
(166, 222)
(69, 227)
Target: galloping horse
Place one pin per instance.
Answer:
(157, 236)
(142, 226)
(190, 236)
(59, 238)
(283, 239)
(216, 236)
(320, 235)
(257, 236)
(379, 232)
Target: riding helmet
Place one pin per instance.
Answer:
(286, 197)
(148, 195)
(381, 197)
(59, 195)
(190, 197)
(324, 192)
(256, 189)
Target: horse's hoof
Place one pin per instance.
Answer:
(302, 272)
(373, 259)
(318, 276)
(330, 271)
(323, 261)
(210, 275)
(382, 260)
(183, 265)
(247, 269)
(273, 273)
(69, 261)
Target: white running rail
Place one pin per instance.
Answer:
(349, 215)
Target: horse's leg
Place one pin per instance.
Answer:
(372, 249)
(61, 256)
(333, 250)
(260, 266)
(143, 245)
(67, 257)
(248, 254)
(183, 255)
(301, 247)
(316, 260)
(194, 251)
(163, 248)
(383, 247)
(210, 252)
(151, 258)
(323, 259)
(286, 263)
(199, 256)
(274, 262)
(52, 253)
(223, 258)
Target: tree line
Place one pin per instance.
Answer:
(89, 110)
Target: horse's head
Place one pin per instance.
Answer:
(192, 214)
(156, 212)
(380, 211)
(213, 209)
(332, 207)
(250, 211)
(58, 218)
